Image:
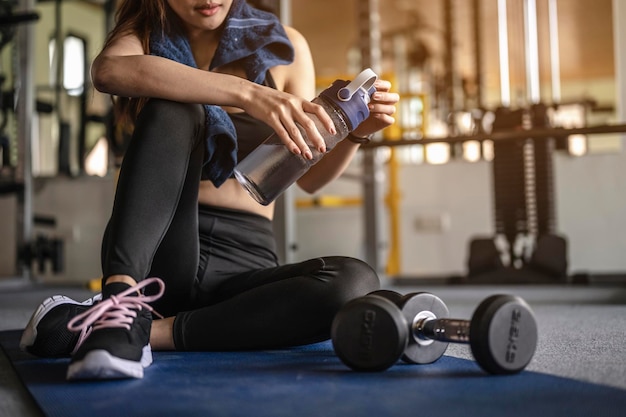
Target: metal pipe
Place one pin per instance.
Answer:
(59, 52)
(450, 60)
(619, 34)
(285, 219)
(536, 133)
(478, 52)
(285, 12)
(369, 34)
(24, 114)
(503, 48)
(531, 47)
(555, 62)
(393, 203)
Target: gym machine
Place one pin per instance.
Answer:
(37, 242)
(16, 178)
(526, 246)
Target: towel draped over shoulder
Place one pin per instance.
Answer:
(254, 39)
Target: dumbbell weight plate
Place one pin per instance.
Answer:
(369, 333)
(390, 295)
(418, 306)
(503, 334)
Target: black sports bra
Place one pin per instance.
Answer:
(250, 131)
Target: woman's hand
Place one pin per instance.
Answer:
(382, 107)
(283, 112)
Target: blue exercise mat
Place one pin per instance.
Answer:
(302, 382)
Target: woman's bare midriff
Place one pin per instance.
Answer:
(233, 196)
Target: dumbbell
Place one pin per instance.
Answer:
(372, 333)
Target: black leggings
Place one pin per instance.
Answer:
(222, 280)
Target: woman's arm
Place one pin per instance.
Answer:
(123, 69)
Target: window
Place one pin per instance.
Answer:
(73, 64)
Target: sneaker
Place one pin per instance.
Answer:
(46, 333)
(116, 335)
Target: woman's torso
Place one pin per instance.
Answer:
(231, 194)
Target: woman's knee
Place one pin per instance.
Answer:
(159, 109)
(172, 115)
(354, 278)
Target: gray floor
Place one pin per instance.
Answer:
(582, 330)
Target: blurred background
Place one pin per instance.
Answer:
(506, 162)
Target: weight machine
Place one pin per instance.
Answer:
(17, 178)
(36, 242)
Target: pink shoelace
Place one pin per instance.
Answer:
(116, 311)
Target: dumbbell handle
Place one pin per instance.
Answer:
(443, 330)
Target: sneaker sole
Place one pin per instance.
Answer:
(100, 364)
(30, 331)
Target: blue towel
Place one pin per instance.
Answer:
(255, 37)
(259, 42)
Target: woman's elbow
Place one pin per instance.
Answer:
(102, 75)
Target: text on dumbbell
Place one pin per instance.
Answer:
(365, 337)
(513, 336)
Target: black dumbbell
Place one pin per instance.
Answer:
(371, 333)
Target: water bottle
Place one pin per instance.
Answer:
(271, 168)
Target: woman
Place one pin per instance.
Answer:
(204, 82)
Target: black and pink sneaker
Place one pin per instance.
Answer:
(115, 335)
(46, 334)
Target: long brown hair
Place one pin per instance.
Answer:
(139, 17)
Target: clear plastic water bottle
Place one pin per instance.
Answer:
(271, 168)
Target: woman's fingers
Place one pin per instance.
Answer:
(382, 107)
(292, 118)
(298, 130)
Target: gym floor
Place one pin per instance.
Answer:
(581, 330)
